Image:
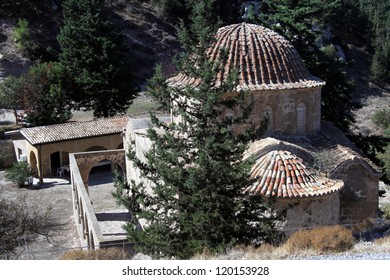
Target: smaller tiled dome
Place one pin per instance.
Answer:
(264, 59)
(284, 175)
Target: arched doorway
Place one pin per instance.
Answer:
(58, 159)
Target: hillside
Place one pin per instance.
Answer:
(151, 39)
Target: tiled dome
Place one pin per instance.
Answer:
(265, 60)
(282, 174)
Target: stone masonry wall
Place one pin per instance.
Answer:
(359, 197)
(284, 106)
(309, 212)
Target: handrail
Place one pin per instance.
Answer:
(83, 196)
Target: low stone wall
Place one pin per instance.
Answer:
(90, 233)
(7, 154)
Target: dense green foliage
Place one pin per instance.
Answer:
(40, 93)
(95, 59)
(381, 119)
(224, 11)
(18, 173)
(378, 12)
(22, 37)
(195, 166)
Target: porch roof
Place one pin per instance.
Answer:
(74, 130)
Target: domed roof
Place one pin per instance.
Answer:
(283, 174)
(265, 60)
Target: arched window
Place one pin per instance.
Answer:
(301, 118)
(269, 114)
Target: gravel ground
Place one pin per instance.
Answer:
(347, 256)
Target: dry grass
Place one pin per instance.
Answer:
(365, 225)
(302, 243)
(112, 253)
(331, 239)
(264, 252)
(383, 242)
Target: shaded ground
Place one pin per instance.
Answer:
(56, 194)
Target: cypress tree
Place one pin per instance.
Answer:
(196, 169)
(95, 59)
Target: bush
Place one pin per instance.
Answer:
(381, 118)
(386, 211)
(384, 241)
(23, 40)
(113, 253)
(19, 173)
(330, 239)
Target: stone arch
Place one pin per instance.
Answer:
(33, 163)
(301, 118)
(86, 161)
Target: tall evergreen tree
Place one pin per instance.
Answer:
(95, 59)
(196, 166)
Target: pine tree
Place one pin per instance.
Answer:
(196, 166)
(96, 61)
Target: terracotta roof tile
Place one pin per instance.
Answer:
(283, 174)
(74, 130)
(265, 60)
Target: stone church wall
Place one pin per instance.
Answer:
(309, 212)
(359, 197)
(294, 111)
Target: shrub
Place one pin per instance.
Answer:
(384, 241)
(19, 173)
(365, 225)
(322, 240)
(381, 118)
(112, 253)
(386, 211)
(22, 37)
